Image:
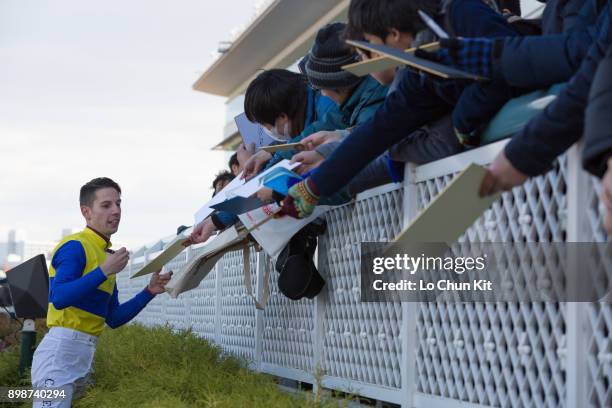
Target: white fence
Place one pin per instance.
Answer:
(427, 354)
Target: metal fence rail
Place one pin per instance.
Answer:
(426, 354)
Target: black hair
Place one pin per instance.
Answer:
(377, 17)
(88, 191)
(274, 92)
(223, 175)
(233, 161)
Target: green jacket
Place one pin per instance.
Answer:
(360, 106)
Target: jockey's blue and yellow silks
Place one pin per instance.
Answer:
(81, 297)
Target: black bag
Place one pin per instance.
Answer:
(298, 275)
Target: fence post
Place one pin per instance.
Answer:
(408, 330)
(262, 263)
(577, 336)
(188, 297)
(218, 270)
(150, 319)
(318, 335)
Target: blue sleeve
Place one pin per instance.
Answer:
(479, 102)
(565, 16)
(119, 314)
(68, 286)
(540, 61)
(474, 18)
(223, 219)
(550, 59)
(533, 150)
(413, 105)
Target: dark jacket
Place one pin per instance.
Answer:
(533, 150)
(598, 120)
(575, 19)
(419, 100)
(568, 16)
(538, 62)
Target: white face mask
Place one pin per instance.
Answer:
(280, 137)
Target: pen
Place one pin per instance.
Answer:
(432, 25)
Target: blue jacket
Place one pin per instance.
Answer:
(574, 18)
(568, 16)
(418, 100)
(533, 150)
(538, 62)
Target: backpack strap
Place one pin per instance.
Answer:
(246, 255)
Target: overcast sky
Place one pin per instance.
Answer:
(103, 88)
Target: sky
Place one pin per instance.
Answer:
(103, 88)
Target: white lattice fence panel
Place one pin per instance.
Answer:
(499, 354)
(177, 310)
(154, 313)
(599, 321)
(361, 341)
(202, 311)
(123, 279)
(237, 310)
(288, 329)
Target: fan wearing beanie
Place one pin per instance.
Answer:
(358, 100)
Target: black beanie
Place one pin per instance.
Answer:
(323, 64)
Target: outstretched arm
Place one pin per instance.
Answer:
(119, 314)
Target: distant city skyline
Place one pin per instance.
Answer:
(104, 89)
(15, 248)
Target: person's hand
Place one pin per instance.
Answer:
(319, 138)
(244, 153)
(255, 164)
(309, 160)
(501, 175)
(301, 199)
(202, 231)
(606, 197)
(158, 282)
(473, 55)
(115, 262)
(265, 194)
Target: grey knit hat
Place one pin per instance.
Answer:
(323, 64)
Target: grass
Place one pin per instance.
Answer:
(136, 366)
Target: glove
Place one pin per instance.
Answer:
(468, 139)
(301, 199)
(473, 55)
